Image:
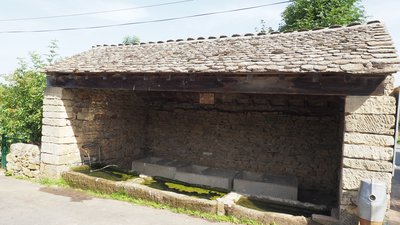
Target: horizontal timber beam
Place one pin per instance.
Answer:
(307, 84)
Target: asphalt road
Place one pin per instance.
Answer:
(394, 214)
(23, 202)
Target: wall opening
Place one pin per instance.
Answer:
(275, 134)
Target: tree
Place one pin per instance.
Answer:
(309, 14)
(22, 97)
(131, 40)
(264, 28)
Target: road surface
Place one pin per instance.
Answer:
(23, 202)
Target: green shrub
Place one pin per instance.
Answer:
(22, 98)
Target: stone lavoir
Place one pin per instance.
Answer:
(314, 105)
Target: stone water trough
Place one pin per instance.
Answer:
(243, 182)
(154, 166)
(202, 175)
(250, 183)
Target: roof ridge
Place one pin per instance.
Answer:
(189, 39)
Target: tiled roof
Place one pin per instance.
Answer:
(358, 49)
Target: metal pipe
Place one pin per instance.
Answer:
(396, 130)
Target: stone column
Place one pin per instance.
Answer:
(368, 147)
(59, 148)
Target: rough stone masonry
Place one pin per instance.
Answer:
(24, 160)
(329, 140)
(368, 146)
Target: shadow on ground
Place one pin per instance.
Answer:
(75, 195)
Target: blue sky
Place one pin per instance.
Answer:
(13, 46)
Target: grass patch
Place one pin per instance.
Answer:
(53, 182)
(122, 196)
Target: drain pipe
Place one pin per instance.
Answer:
(396, 130)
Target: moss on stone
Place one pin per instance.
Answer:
(107, 173)
(186, 189)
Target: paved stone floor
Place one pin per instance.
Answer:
(23, 202)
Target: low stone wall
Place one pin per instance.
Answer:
(140, 191)
(266, 217)
(222, 206)
(24, 160)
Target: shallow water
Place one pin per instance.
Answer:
(186, 189)
(109, 173)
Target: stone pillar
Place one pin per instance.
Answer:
(368, 147)
(59, 148)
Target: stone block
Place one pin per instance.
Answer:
(59, 140)
(154, 166)
(352, 67)
(348, 197)
(266, 217)
(201, 175)
(58, 115)
(52, 131)
(69, 159)
(370, 105)
(58, 93)
(368, 152)
(351, 178)
(56, 102)
(368, 139)
(370, 165)
(375, 124)
(56, 108)
(250, 183)
(389, 80)
(59, 149)
(52, 171)
(85, 116)
(23, 160)
(56, 122)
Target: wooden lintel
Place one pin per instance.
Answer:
(333, 84)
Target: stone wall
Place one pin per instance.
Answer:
(275, 134)
(105, 126)
(368, 147)
(282, 135)
(59, 148)
(294, 135)
(23, 160)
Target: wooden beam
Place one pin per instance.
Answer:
(332, 84)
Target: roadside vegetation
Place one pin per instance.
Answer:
(306, 14)
(21, 99)
(122, 196)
